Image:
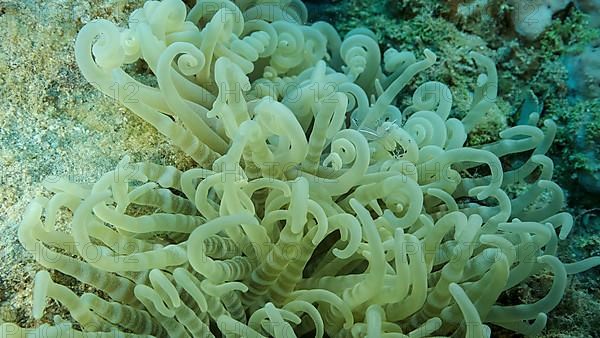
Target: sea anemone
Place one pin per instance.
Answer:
(318, 207)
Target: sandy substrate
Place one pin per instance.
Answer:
(52, 122)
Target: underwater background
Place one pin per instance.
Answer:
(52, 122)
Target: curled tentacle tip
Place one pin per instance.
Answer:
(431, 56)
